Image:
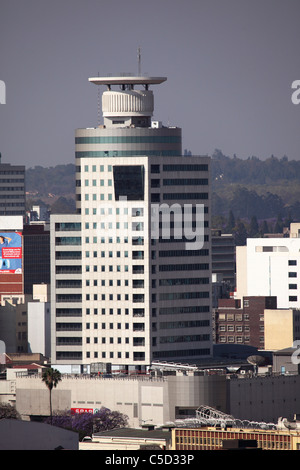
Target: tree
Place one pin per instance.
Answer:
(264, 228)
(278, 228)
(230, 222)
(51, 377)
(85, 424)
(240, 233)
(253, 229)
(8, 411)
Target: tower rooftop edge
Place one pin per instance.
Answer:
(127, 80)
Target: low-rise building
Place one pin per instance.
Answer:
(210, 438)
(242, 321)
(128, 439)
(157, 400)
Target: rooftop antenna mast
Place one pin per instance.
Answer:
(139, 61)
(98, 103)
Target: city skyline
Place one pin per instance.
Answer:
(230, 68)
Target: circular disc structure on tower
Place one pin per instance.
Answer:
(127, 80)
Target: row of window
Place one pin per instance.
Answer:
(75, 341)
(68, 227)
(184, 267)
(184, 281)
(183, 338)
(12, 180)
(186, 309)
(118, 297)
(132, 139)
(236, 317)
(77, 312)
(238, 339)
(11, 172)
(177, 253)
(94, 168)
(184, 324)
(136, 298)
(101, 182)
(181, 353)
(110, 269)
(185, 182)
(184, 295)
(135, 226)
(135, 211)
(136, 240)
(95, 326)
(77, 355)
(137, 356)
(180, 167)
(237, 328)
(12, 188)
(12, 204)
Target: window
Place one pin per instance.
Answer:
(129, 182)
(155, 169)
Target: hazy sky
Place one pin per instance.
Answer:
(229, 63)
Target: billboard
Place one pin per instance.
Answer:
(10, 253)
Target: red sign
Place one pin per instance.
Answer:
(81, 410)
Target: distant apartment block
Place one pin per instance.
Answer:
(12, 189)
(270, 267)
(66, 289)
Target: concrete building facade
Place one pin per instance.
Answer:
(277, 337)
(155, 401)
(143, 293)
(12, 190)
(270, 267)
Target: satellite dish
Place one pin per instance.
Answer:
(289, 424)
(256, 360)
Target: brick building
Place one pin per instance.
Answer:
(242, 321)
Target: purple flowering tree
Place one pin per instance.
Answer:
(88, 423)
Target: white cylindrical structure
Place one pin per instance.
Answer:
(127, 103)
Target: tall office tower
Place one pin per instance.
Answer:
(12, 189)
(146, 292)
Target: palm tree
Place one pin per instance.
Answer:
(51, 377)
